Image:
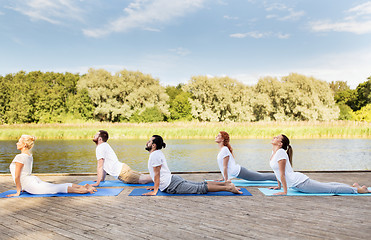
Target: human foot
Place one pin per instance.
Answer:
(362, 189)
(90, 188)
(356, 185)
(234, 189)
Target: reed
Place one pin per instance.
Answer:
(191, 130)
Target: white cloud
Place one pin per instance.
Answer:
(258, 35)
(358, 22)
(1, 13)
(145, 14)
(230, 18)
(180, 51)
(52, 11)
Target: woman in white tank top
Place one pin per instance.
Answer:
(21, 169)
(281, 161)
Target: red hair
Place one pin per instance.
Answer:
(225, 137)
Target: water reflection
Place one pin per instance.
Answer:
(74, 156)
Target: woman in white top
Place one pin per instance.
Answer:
(280, 162)
(228, 166)
(21, 169)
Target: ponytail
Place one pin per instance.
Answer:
(286, 146)
(226, 143)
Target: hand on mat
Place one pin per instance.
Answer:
(13, 195)
(275, 188)
(280, 193)
(153, 193)
(95, 184)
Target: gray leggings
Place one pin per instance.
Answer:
(255, 176)
(313, 186)
(180, 186)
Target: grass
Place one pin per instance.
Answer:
(191, 130)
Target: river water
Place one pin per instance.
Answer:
(78, 156)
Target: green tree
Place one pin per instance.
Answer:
(363, 94)
(219, 99)
(364, 114)
(179, 106)
(339, 86)
(117, 97)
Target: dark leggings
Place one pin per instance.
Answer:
(255, 176)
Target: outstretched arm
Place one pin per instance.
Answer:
(225, 167)
(17, 179)
(101, 174)
(156, 181)
(282, 167)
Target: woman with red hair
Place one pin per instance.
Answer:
(228, 166)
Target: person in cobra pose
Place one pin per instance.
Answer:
(280, 162)
(21, 170)
(228, 166)
(107, 162)
(174, 184)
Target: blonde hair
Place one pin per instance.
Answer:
(28, 140)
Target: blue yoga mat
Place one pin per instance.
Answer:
(99, 193)
(247, 183)
(291, 192)
(116, 183)
(140, 191)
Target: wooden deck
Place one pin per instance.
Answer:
(184, 217)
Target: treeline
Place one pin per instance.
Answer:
(129, 96)
(354, 104)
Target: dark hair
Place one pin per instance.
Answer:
(159, 142)
(104, 135)
(225, 137)
(286, 146)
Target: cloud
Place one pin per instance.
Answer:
(230, 18)
(258, 35)
(52, 11)
(180, 51)
(358, 21)
(145, 14)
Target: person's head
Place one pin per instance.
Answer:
(155, 143)
(100, 136)
(223, 137)
(26, 142)
(284, 142)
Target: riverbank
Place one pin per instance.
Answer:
(187, 217)
(191, 130)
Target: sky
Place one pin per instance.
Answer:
(173, 40)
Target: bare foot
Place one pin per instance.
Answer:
(356, 185)
(234, 189)
(362, 189)
(90, 188)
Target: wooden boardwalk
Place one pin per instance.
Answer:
(185, 217)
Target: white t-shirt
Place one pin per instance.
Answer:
(111, 164)
(26, 172)
(292, 178)
(157, 158)
(233, 168)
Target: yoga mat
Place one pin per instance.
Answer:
(291, 192)
(116, 183)
(99, 193)
(140, 191)
(247, 183)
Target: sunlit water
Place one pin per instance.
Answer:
(77, 156)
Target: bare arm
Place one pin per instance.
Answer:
(282, 166)
(17, 179)
(101, 174)
(156, 181)
(225, 167)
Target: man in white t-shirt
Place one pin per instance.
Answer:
(109, 163)
(174, 184)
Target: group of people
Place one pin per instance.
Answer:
(164, 180)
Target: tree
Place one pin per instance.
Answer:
(219, 99)
(339, 86)
(363, 94)
(118, 97)
(179, 106)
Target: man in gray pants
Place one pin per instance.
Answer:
(166, 182)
